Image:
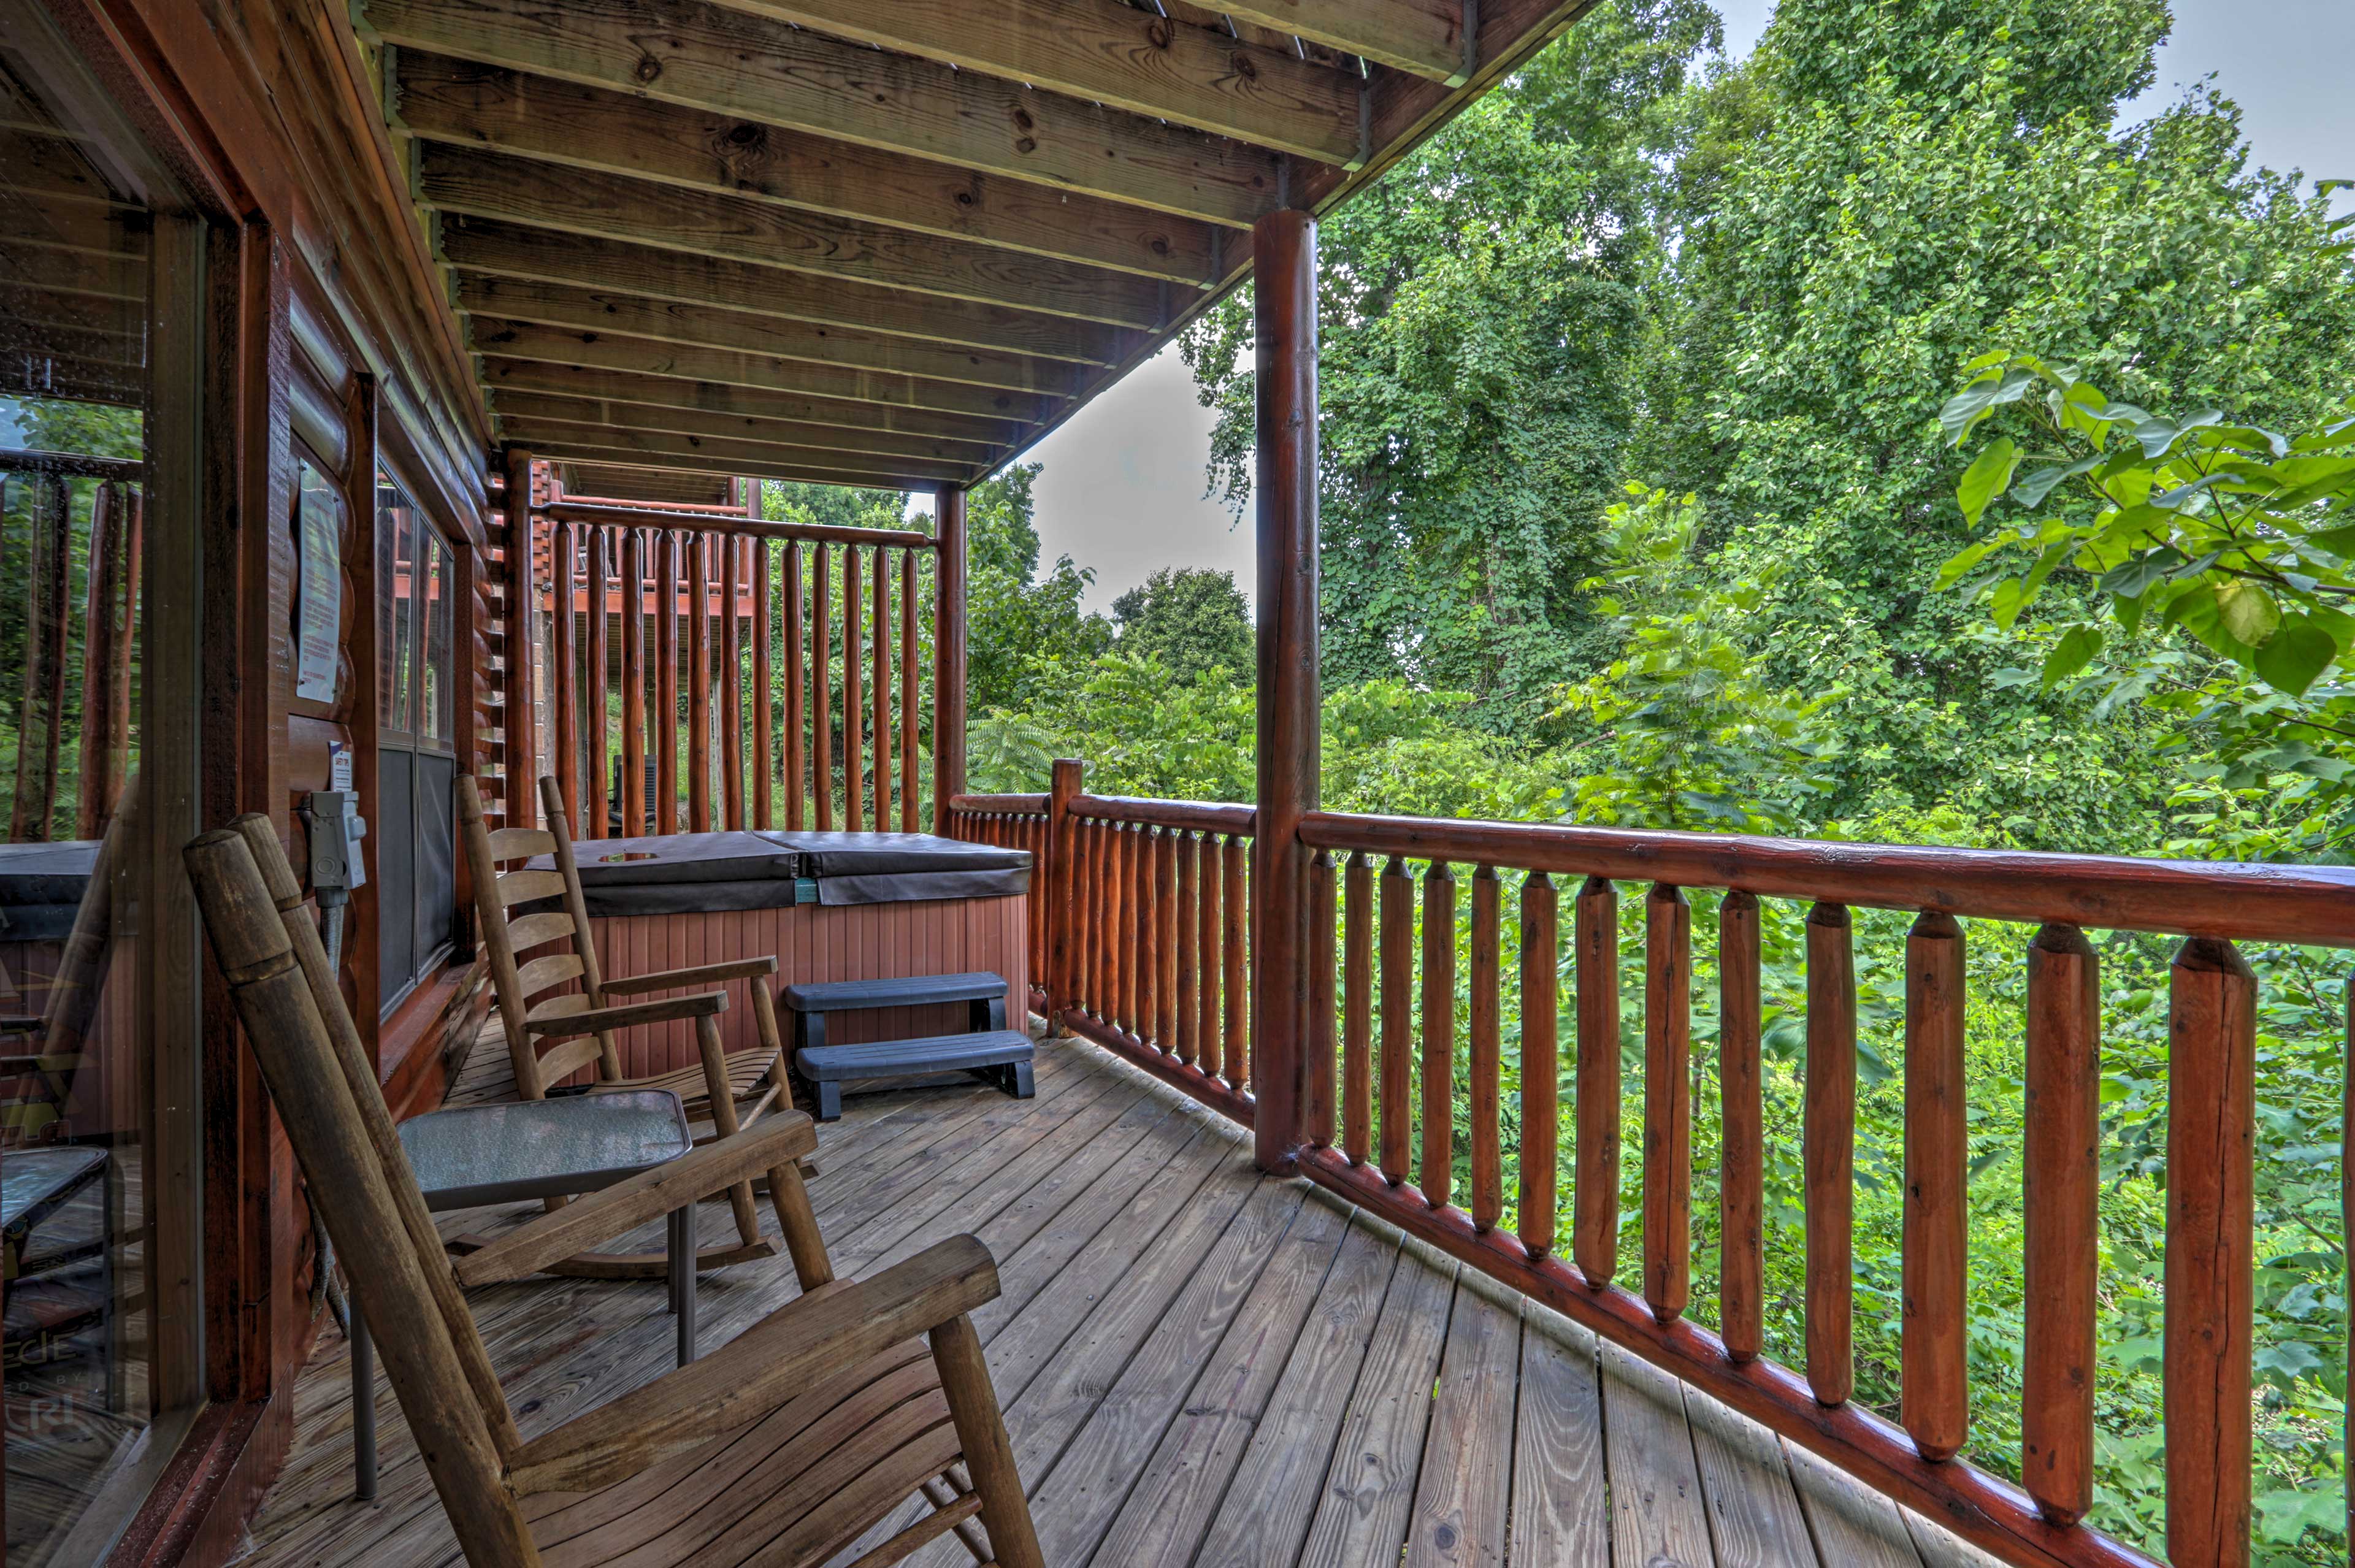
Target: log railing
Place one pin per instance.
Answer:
(1418, 927)
(798, 647)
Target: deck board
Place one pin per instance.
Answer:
(1201, 1366)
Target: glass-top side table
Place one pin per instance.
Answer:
(474, 1155)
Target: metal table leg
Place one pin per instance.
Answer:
(363, 1408)
(682, 1278)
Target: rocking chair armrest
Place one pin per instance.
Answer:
(701, 975)
(571, 1025)
(801, 1344)
(777, 1141)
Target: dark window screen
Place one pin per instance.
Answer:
(415, 831)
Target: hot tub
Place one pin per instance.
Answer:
(830, 906)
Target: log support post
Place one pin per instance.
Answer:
(1061, 889)
(948, 659)
(1284, 248)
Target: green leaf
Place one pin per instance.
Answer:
(2032, 490)
(2247, 611)
(1988, 476)
(2293, 657)
(2076, 649)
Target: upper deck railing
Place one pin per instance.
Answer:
(1144, 943)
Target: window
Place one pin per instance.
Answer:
(417, 742)
(100, 667)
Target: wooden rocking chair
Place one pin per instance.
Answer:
(779, 1450)
(552, 1039)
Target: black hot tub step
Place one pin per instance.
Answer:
(899, 991)
(994, 1056)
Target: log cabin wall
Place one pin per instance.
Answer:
(327, 355)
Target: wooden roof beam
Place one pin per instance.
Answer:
(1425, 36)
(721, 404)
(1116, 55)
(642, 485)
(476, 105)
(543, 196)
(543, 255)
(647, 356)
(553, 304)
(823, 468)
(540, 409)
(699, 56)
(734, 456)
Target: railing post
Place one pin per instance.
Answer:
(948, 654)
(1060, 887)
(1284, 246)
(521, 798)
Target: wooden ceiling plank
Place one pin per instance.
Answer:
(696, 54)
(540, 409)
(716, 400)
(823, 468)
(543, 196)
(471, 104)
(585, 479)
(601, 311)
(1425, 36)
(543, 255)
(647, 356)
(1128, 58)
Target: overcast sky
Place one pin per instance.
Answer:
(1123, 488)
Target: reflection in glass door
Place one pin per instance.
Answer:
(99, 1198)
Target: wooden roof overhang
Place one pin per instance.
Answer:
(877, 242)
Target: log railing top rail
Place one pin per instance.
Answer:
(733, 523)
(999, 804)
(1201, 816)
(2308, 904)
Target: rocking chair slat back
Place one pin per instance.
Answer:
(517, 984)
(354, 1184)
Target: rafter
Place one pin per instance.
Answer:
(519, 190)
(687, 52)
(1425, 37)
(542, 255)
(625, 448)
(721, 402)
(553, 304)
(1131, 59)
(647, 356)
(589, 128)
(642, 485)
(540, 410)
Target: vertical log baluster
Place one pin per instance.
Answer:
(883, 747)
(796, 704)
(599, 686)
(1209, 953)
(667, 679)
(731, 681)
(1827, 1141)
(1594, 1195)
(1165, 939)
(634, 682)
(2210, 1232)
(854, 697)
(1318, 1120)
(908, 819)
(1235, 934)
(1486, 1061)
(564, 695)
(822, 690)
(1398, 1019)
(1540, 1062)
(765, 718)
(1132, 928)
(1110, 934)
(1668, 1102)
(1741, 1175)
(1186, 1042)
(698, 689)
(1438, 1035)
(1358, 1009)
(2062, 1214)
(1935, 1380)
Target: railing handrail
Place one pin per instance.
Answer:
(1206, 817)
(636, 516)
(998, 805)
(2234, 900)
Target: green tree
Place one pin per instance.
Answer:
(1189, 618)
(1022, 626)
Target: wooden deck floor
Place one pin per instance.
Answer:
(1200, 1364)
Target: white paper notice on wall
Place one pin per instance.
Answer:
(319, 601)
